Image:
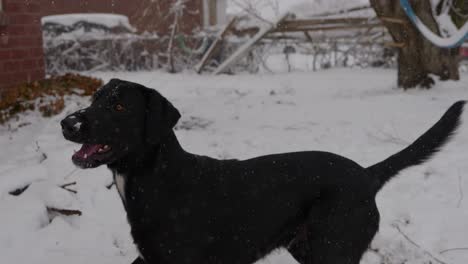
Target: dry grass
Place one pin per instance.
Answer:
(45, 95)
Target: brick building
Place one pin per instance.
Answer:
(464, 51)
(21, 53)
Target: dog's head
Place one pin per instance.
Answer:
(123, 119)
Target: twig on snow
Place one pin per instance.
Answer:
(460, 189)
(66, 212)
(417, 245)
(65, 187)
(19, 191)
(109, 186)
(67, 184)
(452, 249)
(70, 173)
(43, 155)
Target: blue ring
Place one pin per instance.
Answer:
(412, 16)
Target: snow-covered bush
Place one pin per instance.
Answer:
(302, 56)
(104, 42)
(86, 42)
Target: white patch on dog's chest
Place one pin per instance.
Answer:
(120, 181)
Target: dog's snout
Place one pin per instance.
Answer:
(71, 126)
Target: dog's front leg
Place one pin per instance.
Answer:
(139, 260)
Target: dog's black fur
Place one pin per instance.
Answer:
(185, 208)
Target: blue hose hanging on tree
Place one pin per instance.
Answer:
(183, 46)
(444, 42)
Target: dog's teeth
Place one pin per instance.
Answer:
(106, 146)
(85, 156)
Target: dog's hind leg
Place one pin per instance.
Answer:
(324, 253)
(299, 247)
(336, 234)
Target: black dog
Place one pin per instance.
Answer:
(185, 208)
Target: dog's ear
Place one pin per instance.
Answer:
(161, 116)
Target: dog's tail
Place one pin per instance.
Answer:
(421, 150)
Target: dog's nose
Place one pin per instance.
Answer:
(71, 126)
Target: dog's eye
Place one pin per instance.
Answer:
(119, 108)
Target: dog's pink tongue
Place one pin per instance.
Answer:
(87, 150)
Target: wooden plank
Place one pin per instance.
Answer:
(212, 12)
(343, 11)
(269, 39)
(326, 28)
(244, 49)
(325, 21)
(395, 44)
(314, 24)
(214, 46)
(242, 32)
(393, 20)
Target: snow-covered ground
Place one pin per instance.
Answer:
(356, 113)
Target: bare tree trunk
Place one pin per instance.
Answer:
(418, 57)
(170, 46)
(459, 12)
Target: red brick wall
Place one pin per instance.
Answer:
(146, 15)
(464, 52)
(21, 54)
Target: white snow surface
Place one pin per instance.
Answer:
(353, 112)
(109, 20)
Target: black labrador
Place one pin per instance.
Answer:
(186, 208)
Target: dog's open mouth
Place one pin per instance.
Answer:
(92, 155)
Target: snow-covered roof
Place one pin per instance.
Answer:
(109, 20)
